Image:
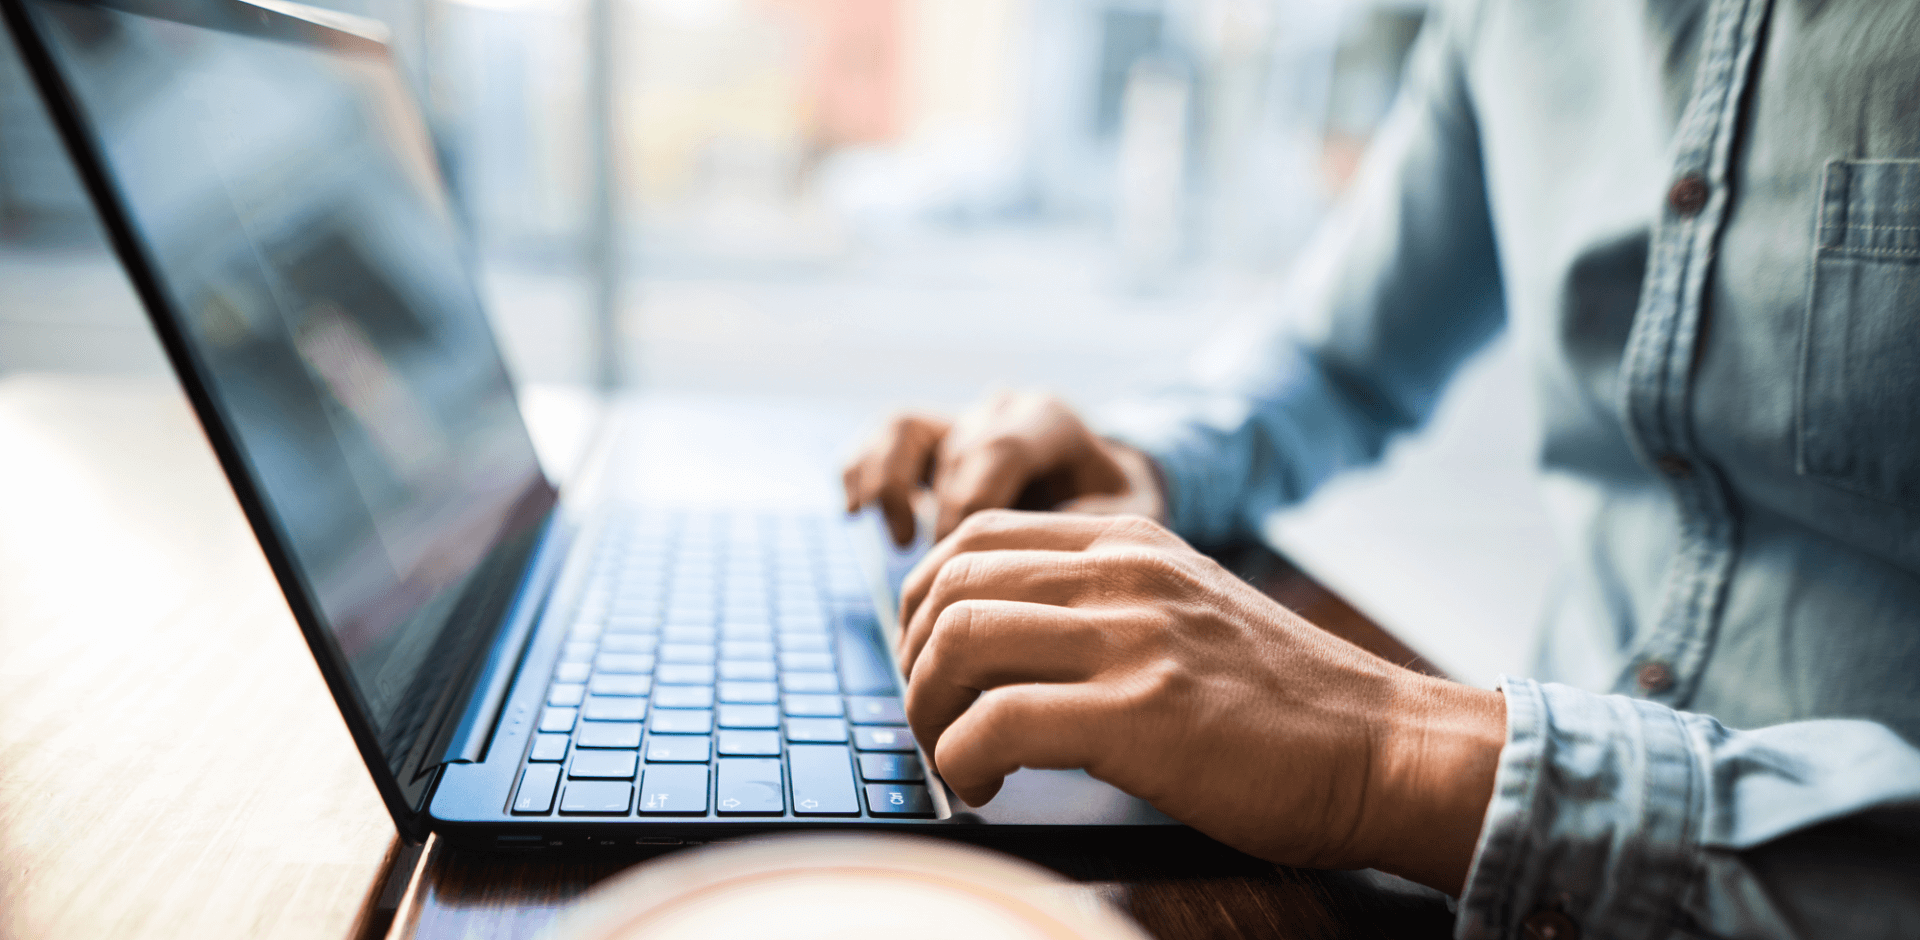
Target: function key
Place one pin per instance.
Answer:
(549, 747)
(684, 674)
(683, 696)
(750, 743)
(603, 765)
(679, 749)
(749, 786)
(557, 720)
(817, 730)
(813, 706)
(875, 710)
(608, 734)
(674, 790)
(898, 799)
(614, 709)
(597, 798)
(822, 781)
(682, 721)
(891, 768)
(536, 789)
(748, 716)
(883, 739)
(617, 684)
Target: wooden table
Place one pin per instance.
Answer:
(172, 765)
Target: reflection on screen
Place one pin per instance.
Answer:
(289, 197)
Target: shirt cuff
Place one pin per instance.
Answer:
(1594, 821)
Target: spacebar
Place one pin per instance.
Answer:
(822, 780)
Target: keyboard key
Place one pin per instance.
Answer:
(623, 662)
(821, 730)
(806, 662)
(572, 672)
(747, 629)
(803, 643)
(597, 798)
(603, 765)
(813, 706)
(691, 612)
(699, 635)
(684, 674)
(682, 721)
(566, 694)
(749, 787)
(747, 671)
(686, 653)
(875, 710)
(629, 643)
(891, 767)
(537, 784)
(674, 790)
(549, 747)
(576, 652)
(749, 693)
(616, 684)
(898, 799)
(557, 720)
(683, 696)
(803, 620)
(614, 709)
(750, 743)
(823, 683)
(746, 649)
(822, 781)
(628, 624)
(883, 739)
(679, 748)
(748, 716)
(608, 734)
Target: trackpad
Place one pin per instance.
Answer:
(1061, 798)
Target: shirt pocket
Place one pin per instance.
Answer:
(1858, 390)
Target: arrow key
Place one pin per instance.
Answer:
(750, 786)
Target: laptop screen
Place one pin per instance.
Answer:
(289, 198)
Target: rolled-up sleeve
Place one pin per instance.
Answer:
(1399, 287)
(1616, 817)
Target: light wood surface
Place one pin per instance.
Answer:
(171, 764)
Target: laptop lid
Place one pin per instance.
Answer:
(271, 189)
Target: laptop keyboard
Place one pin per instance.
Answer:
(723, 666)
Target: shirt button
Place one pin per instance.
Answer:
(1655, 677)
(1688, 196)
(1549, 925)
(1674, 465)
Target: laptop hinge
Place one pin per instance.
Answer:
(468, 731)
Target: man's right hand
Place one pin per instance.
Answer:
(1015, 449)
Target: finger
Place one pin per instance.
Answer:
(989, 477)
(894, 467)
(981, 645)
(994, 531)
(1040, 725)
(1024, 575)
(1107, 504)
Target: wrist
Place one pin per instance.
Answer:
(1433, 769)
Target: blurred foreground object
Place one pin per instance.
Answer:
(845, 886)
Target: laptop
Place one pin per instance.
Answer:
(523, 665)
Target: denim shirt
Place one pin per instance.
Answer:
(1700, 220)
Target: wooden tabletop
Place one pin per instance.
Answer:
(172, 765)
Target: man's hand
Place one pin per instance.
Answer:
(1012, 449)
(1106, 643)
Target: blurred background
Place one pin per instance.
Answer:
(880, 201)
(864, 204)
